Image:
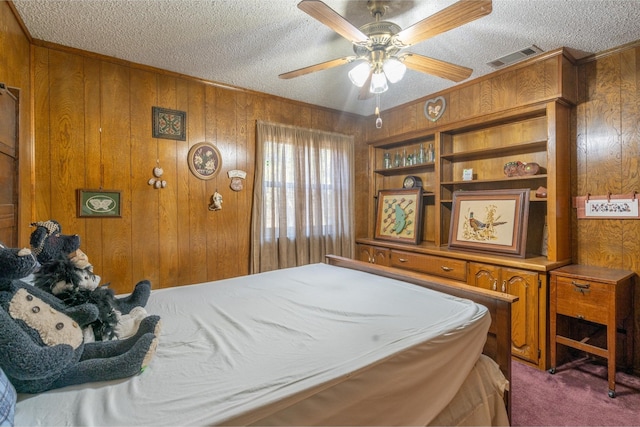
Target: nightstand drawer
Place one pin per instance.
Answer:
(584, 299)
(438, 266)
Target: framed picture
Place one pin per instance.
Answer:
(399, 215)
(98, 203)
(169, 124)
(204, 160)
(490, 221)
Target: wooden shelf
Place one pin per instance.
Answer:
(406, 169)
(424, 194)
(523, 148)
(540, 177)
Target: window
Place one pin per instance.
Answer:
(303, 197)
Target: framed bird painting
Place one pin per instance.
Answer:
(399, 215)
(490, 221)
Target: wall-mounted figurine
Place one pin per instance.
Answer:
(156, 182)
(216, 202)
(236, 179)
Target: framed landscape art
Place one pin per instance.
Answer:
(490, 221)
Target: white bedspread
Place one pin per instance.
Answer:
(310, 345)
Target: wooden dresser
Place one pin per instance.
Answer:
(601, 296)
(525, 278)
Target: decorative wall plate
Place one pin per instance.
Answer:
(204, 160)
(434, 108)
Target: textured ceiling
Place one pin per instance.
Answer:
(248, 43)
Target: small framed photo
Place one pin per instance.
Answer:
(399, 215)
(204, 160)
(98, 203)
(169, 124)
(490, 221)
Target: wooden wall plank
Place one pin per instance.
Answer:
(245, 160)
(90, 230)
(225, 221)
(168, 89)
(190, 100)
(196, 195)
(603, 157)
(66, 114)
(42, 135)
(144, 157)
(116, 168)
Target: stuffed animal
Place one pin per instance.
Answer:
(41, 341)
(49, 245)
(72, 280)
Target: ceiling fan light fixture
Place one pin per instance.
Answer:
(379, 83)
(359, 74)
(394, 69)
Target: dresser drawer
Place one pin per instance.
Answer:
(584, 299)
(438, 266)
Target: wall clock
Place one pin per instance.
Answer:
(412, 181)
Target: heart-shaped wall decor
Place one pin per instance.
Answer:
(434, 108)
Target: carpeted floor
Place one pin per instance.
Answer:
(575, 396)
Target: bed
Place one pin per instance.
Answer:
(336, 343)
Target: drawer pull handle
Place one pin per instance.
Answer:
(581, 287)
(403, 259)
(445, 268)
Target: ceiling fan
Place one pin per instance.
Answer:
(379, 45)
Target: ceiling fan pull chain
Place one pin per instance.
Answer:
(378, 118)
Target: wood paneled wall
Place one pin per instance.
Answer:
(93, 130)
(607, 160)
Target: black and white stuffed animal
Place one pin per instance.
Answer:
(41, 341)
(75, 283)
(72, 280)
(48, 243)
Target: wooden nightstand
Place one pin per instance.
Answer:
(599, 295)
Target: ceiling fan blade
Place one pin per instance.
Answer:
(365, 90)
(451, 17)
(317, 67)
(443, 69)
(329, 17)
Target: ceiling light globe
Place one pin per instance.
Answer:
(359, 74)
(394, 69)
(378, 83)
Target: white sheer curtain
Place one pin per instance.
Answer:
(303, 197)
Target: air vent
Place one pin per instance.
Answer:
(514, 57)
